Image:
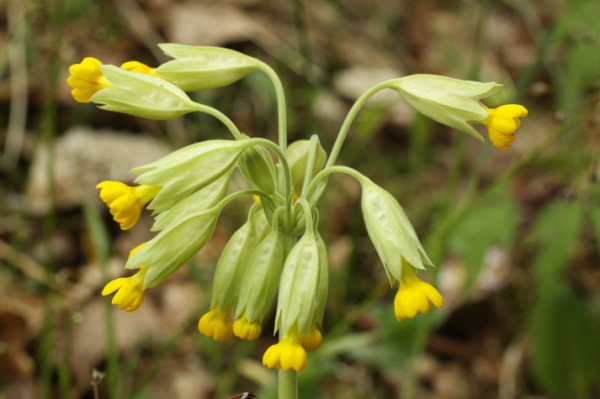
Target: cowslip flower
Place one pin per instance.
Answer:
(126, 202)
(216, 324)
(130, 291)
(502, 122)
(86, 79)
(456, 103)
(287, 354)
(414, 295)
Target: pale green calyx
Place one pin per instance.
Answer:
(189, 169)
(323, 285)
(202, 199)
(232, 264)
(298, 155)
(142, 95)
(298, 286)
(200, 67)
(257, 166)
(260, 278)
(453, 102)
(390, 231)
(175, 245)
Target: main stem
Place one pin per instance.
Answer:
(288, 379)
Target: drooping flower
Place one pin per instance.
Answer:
(258, 286)
(216, 324)
(502, 122)
(86, 79)
(456, 103)
(126, 202)
(414, 295)
(287, 354)
(130, 291)
(298, 305)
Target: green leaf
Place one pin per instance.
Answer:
(555, 232)
(492, 223)
(565, 342)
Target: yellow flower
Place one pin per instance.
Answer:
(136, 66)
(287, 354)
(86, 79)
(130, 290)
(502, 122)
(414, 295)
(216, 324)
(126, 202)
(313, 340)
(243, 329)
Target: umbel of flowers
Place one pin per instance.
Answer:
(278, 252)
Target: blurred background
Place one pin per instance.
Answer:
(515, 235)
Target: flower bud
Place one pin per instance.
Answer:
(189, 169)
(260, 278)
(174, 246)
(199, 67)
(297, 155)
(390, 231)
(453, 102)
(141, 95)
(257, 166)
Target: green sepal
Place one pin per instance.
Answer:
(257, 166)
(260, 278)
(453, 102)
(188, 170)
(323, 287)
(200, 67)
(297, 155)
(200, 200)
(142, 95)
(299, 283)
(174, 246)
(232, 264)
(262, 224)
(390, 231)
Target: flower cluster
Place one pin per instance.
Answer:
(279, 248)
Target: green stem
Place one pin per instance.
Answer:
(288, 384)
(221, 117)
(281, 110)
(314, 191)
(339, 141)
(349, 118)
(233, 196)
